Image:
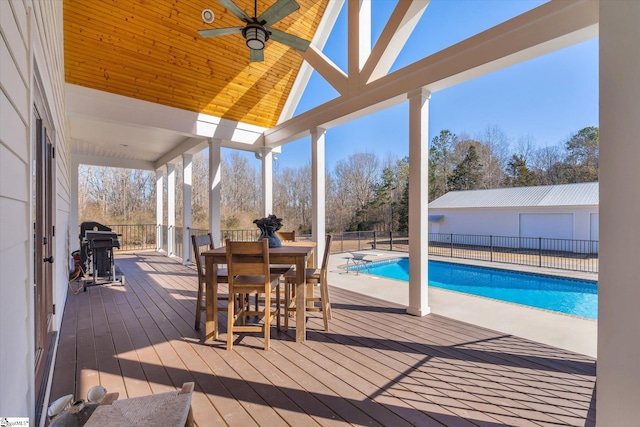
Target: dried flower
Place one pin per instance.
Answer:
(269, 223)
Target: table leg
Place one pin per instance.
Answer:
(211, 331)
(301, 298)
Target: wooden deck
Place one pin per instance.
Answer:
(376, 366)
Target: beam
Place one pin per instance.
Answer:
(327, 69)
(319, 40)
(189, 146)
(547, 28)
(114, 163)
(396, 32)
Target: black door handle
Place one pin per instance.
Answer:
(48, 259)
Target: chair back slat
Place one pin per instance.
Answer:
(199, 244)
(286, 236)
(325, 260)
(248, 258)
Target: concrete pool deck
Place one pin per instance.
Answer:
(559, 330)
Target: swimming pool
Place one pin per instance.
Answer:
(569, 296)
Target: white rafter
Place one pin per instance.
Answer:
(396, 32)
(326, 68)
(547, 28)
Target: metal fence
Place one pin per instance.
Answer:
(565, 254)
(135, 237)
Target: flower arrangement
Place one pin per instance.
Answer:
(268, 226)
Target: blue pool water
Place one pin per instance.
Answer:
(570, 296)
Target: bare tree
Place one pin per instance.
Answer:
(493, 156)
(356, 178)
(240, 191)
(547, 165)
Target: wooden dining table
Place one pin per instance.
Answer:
(299, 254)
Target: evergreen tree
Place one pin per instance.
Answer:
(403, 209)
(518, 174)
(582, 155)
(440, 158)
(467, 174)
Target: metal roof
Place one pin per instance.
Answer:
(583, 194)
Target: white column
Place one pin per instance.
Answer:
(318, 219)
(159, 208)
(214, 189)
(267, 183)
(418, 203)
(74, 231)
(618, 373)
(171, 209)
(186, 207)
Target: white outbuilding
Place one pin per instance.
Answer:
(568, 211)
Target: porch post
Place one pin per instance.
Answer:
(159, 208)
(318, 224)
(618, 373)
(186, 207)
(214, 189)
(418, 202)
(267, 183)
(73, 209)
(171, 209)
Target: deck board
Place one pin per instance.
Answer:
(376, 366)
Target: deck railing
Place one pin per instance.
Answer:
(564, 254)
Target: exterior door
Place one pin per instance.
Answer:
(43, 234)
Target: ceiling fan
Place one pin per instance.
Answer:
(258, 29)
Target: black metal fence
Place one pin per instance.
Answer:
(565, 254)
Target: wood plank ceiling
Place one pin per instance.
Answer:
(150, 50)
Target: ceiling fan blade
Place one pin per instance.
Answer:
(257, 55)
(215, 32)
(277, 11)
(229, 4)
(288, 39)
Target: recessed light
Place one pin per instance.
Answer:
(208, 16)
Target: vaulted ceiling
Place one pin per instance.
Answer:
(150, 50)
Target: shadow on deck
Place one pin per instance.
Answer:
(376, 365)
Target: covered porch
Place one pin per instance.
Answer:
(376, 365)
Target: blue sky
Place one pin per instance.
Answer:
(545, 99)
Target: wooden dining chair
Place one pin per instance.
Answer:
(316, 277)
(199, 244)
(248, 264)
(286, 236)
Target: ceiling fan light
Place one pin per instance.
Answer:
(256, 37)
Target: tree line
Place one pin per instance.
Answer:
(462, 163)
(363, 192)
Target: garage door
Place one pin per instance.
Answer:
(547, 226)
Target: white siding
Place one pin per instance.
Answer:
(16, 331)
(506, 222)
(594, 226)
(19, 49)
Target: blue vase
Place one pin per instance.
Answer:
(270, 235)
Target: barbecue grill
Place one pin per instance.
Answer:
(97, 242)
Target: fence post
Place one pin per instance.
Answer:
(539, 251)
(451, 244)
(491, 244)
(375, 241)
(390, 240)
(342, 241)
